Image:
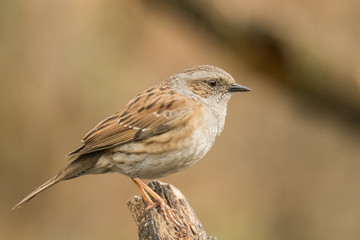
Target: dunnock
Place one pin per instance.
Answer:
(162, 130)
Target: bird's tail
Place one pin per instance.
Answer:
(46, 185)
(80, 166)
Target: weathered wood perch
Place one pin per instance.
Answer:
(152, 225)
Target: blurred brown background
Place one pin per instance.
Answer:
(287, 164)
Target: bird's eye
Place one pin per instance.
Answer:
(212, 83)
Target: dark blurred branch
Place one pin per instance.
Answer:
(267, 53)
(151, 224)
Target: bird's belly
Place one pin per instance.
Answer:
(157, 160)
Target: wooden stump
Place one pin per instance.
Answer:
(151, 223)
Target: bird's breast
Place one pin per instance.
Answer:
(166, 153)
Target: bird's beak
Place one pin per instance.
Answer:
(235, 87)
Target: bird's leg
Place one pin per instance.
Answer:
(165, 209)
(150, 204)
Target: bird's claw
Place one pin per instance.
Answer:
(167, 213)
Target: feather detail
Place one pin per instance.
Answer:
(150, 113)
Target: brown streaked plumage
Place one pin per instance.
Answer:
(161, 131)
(151, 113)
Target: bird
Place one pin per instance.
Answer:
(162, 130)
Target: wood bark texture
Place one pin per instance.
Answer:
(151, 223)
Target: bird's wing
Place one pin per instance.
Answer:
(150, 113)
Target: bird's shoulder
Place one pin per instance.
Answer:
(155, 111)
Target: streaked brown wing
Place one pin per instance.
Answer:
(150, 113)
